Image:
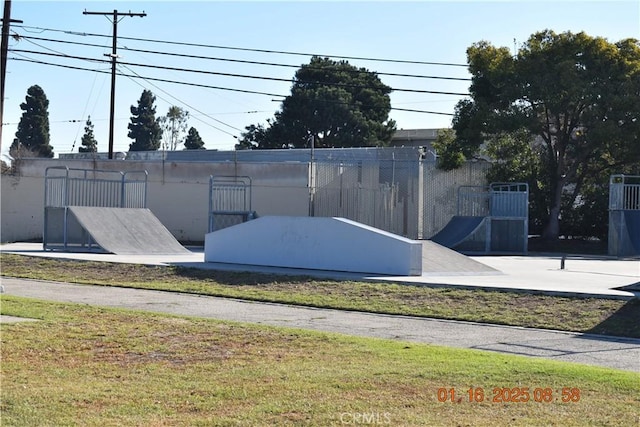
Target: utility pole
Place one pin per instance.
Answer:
(4, 48)
(114, 58)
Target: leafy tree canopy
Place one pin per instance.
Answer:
(193, 140)
(577, 96)
(144, 129)
(331, 102)
(33, 129)
(88, 143)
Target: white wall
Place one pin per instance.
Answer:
(22, 210)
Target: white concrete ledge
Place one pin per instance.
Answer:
(318, 243)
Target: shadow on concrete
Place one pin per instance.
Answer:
(634, 287)
(553, 351)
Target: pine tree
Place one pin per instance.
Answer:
(193, 140)
(89, 143)
(33, 129)
(144, 129)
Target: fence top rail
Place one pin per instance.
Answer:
(624, 179)
(240, 185)
(498, 199)
(520, 187)
(92, 174)
(68, 172)
(137, 172)
(229, 180)
(94, 187)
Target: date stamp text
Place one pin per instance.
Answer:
(509, 395)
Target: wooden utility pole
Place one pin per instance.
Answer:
(4, 48)
(115, 15)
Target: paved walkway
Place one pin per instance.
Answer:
(610, 352)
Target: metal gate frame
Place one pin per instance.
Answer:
(624, 196)
(64, 187)
(499, 202)
(230, 199)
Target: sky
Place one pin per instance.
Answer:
(417, 38)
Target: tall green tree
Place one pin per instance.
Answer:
(579, 98)
(33, 129)
(255, 137)
(193, 140)
(520, 161)
(88, 143)
(332, 104)
(174, 126)
(144, 129)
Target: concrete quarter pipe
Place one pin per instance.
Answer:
(457, 230)
(126, 231)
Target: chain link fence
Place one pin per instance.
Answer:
(411, 198)
(392, 189)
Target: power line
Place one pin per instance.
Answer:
(162, 90)
(75, 139)
(160, 67)
(114, 58)
(191, 84)
(328, 101)
(29, 40)
(410, 110)
(150, 78)
(242, 61)
(281, 52)
(193, 108)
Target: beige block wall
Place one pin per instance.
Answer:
(178, 193)
(22, 210)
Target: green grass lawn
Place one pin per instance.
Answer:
(593, 315)
(89, 366)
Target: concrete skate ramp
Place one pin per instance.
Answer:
(127, 231)
(457, 230)
(438, 260)
(318, 243)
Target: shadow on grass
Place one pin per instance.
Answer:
(240, 278)
(626, 319)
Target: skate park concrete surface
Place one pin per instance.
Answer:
(600, 277)
(597, 276)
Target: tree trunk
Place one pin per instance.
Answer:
(552, 228)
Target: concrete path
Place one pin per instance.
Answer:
(610, 352)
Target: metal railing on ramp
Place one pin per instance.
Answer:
(89, 210)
